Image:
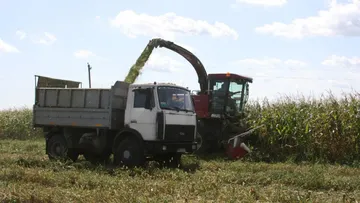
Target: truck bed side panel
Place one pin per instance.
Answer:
(74, 98)
(81, 107)
(80, 117)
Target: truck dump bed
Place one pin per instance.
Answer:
(63, 103)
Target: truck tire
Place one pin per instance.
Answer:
(57, 149)
(129, 153)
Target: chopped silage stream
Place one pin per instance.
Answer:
(135, 69)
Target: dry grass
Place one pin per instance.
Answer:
(26, 175)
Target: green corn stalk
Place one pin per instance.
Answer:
(135, 69)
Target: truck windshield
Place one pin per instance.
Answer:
(174, 98)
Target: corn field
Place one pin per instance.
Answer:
(307, 129)
(296, 128)
(17, 124)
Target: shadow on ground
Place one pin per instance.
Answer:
(189, 165)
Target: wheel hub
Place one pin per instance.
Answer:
(126, 154)
(58, 150)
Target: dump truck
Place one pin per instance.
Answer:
(132, 122)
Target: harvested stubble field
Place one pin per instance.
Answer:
(308, 151)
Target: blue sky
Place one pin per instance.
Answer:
(287, 46)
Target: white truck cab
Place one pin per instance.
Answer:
(164, 116)
(161, 112)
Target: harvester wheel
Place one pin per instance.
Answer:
(204, 146)
(199, 141)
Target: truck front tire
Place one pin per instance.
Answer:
(57, 149)
(130, 153)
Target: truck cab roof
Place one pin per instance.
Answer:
(155, 84)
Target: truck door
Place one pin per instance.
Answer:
(143, 113)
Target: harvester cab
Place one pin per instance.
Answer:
(226, 96)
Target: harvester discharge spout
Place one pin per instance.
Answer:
(158, 42)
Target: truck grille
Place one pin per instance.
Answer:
(179, 132)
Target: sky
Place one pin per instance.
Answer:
(288, 47)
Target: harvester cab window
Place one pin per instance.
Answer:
(219, 86)
(235, 93)
(218, 95)
(233, 101)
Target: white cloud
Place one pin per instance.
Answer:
(7, 48)
(268, 69)
(83, 54)
(97, 17)
(339, 84)
(340, 19)
(21, 34)
(162, 63)
(263, 2)
(47, 40)
(275, 77)
(292, 62)
(168, 26)
(342, 61)
(271, 62)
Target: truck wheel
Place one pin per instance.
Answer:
(129, 153)
(57, 149)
